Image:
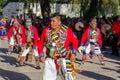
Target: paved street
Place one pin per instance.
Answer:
(92, 70)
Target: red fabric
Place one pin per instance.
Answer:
(70, 38)
(48, 24)
(57, 64)
(2, 37)
(42, 40)
(116, 28)
(10, 33)
(73, 27)
(85, 36)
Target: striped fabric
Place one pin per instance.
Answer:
(68, 66)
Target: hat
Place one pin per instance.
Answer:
(79, 26)
(28, 22)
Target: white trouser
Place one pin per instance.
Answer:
(12, 41)
(26, 51)
(50, 71)
(92, 48)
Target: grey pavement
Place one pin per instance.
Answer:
(91, 70)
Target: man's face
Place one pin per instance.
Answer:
(93, 25)
(55, 23)
(28, 24)
(28, 27)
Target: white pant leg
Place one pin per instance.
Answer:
(25, 52)
(50, 72)
(35, 52)
(87, 49)
(11, 41)
(97, 50)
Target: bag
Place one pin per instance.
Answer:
(16, 49)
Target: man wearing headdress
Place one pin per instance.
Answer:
(15, 35)
(31, 42)
(92, 41)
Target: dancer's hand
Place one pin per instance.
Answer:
(72, 57)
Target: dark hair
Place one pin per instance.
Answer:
(56, 15)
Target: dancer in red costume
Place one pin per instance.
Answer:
(92, 41)
(56, 39)
(31, 42)
(16, 35)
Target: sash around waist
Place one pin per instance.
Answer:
(57, 55)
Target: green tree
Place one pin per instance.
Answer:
(87, 8)
(91, 8)
(45, 8)
(2, 2)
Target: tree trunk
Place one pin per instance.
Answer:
(45, 9)
(93, 9)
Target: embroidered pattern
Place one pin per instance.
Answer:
(93, 36)
(58, 38)
(17, 34)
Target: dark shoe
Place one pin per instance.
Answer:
(38, 67)
(20, 65)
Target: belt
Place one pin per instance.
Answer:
(56, 57)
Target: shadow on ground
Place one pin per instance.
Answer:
(3, 50)
(109, 69)
(13, 61)
(10, 75)
(8, 59)
(95, 76)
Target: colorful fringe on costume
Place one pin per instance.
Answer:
(70, 67)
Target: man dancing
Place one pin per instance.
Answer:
(56, 38)
(92, 41)
(31, 42)
(15, 36)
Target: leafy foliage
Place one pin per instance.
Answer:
(83, 7)
(91, 8)
(2, 2)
